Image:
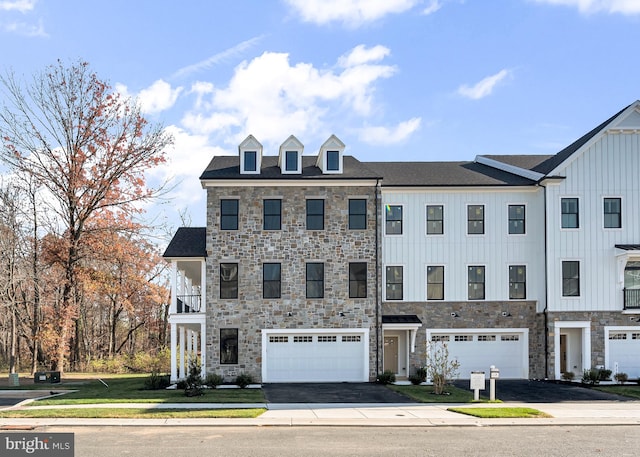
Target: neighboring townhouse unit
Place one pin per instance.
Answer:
(325, 268)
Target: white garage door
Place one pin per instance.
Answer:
(308, 356)
(478, 350)
(624, 347)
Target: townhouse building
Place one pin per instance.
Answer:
(325, 268)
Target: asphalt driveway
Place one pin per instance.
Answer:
(506, 390)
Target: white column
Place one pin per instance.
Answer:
(203, 349)
(174, 355)
(181, 372)
(174, 287)
(203, 286)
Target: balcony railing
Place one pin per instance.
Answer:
(189, 303)
(631, 298)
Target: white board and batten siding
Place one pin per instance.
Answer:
(609, 167)
(456, 250)
(315, 355)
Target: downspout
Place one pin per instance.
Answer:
(377, 264)
(546, 291)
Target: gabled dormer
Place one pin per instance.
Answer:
(330, 156)
(290, 158)
(250, 151)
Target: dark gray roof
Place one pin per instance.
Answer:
(188, 242)
(401, 319)
(440, 174)
(228, 167)
(628, 247)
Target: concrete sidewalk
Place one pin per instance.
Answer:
(361, 414)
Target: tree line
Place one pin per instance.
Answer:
(80, 279)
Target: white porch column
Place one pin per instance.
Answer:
(203, 286)
(203, 349)
(174, 355)
(181, 372)
(173, 306)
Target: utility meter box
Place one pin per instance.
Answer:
(494, 373)
(477, 380)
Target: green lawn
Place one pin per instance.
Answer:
(625, 390)
(499, 412)
(133, 413)
(424, 394)
(130, 389)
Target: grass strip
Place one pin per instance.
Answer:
(625, 391)
(134, 413)
(425, 394)
(500, 413)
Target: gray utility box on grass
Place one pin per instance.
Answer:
(51, 377)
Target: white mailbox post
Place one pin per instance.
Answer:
(477, 383)
(494, 374)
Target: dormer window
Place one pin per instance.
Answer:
(291, 161)
(333, 160)
(330, 157)
(290, 158)
(250, 151)
(250, 161)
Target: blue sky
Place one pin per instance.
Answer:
(432, 80)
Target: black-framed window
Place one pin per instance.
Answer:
(333, 160)
(517, 282)
(570, 278)
(358, 280)
(393, 279)
(476, 282)
(612, 212)
(393, 219)
(229, 280)
(516, 220)
(357, 214)
(272, 214)
(315, 280)
(228, 346)
(435, 282)
(475, 219)
(315, 214)
(229, 210)
(569, 213)
(435, 219)
(271, 280)
(250, 160)
(291, 160)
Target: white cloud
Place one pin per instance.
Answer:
(351, 13)
(17, 5)
(629, 7)
(433, 6)
(361, 55)
(215, 59)
(155, 98)
(385, 136)
(484, 87)
(271, 98)
(25, 29)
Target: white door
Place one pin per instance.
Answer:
(624, 347)
(477, 351)
(315, 357)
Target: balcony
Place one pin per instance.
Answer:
(188, 303)
(631, 298)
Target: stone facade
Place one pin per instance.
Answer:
(470, 315)
(292, 246)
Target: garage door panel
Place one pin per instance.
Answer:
(478, 351)
(315, 357)
(624, 350)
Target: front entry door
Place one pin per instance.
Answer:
(563, 353)
(390, 358)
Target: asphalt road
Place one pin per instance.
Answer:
(496, 441)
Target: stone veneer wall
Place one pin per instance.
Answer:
(486, 314)
(598, 320)
(293, 246)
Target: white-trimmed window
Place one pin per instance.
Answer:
(570, 213)
(393, 278)
(435, 219)
(612, 212)
(570, 278)
(475, 219)
(516, 219)
(517, 282)
(393, 219)
(435, 282)
(476, 282)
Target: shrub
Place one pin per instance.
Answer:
(604, 375)
(568, 376)
(591, 376)
(419, 376)
(387, 377)
(194, 380)
(243, 380)
(621, 377)
(213, 380)
(156, 381)
(439, 367)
